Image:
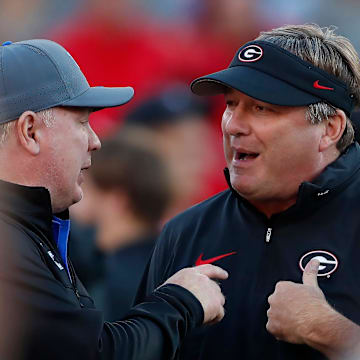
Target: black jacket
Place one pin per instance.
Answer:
(324, 222)
(44, 315)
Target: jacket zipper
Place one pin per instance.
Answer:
(268, 234)
(76, 291)
(72, 275)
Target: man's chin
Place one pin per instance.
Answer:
(78, 196)
(248, 191)
(241, 184)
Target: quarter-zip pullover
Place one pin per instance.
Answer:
(324, 222)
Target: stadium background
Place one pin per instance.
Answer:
(158, 47)
(150, 43)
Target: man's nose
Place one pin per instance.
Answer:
(94, 141)
(235, 122)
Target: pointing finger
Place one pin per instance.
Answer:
(212, 271)
(310, 273)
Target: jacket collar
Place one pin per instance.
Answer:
(332, 180)
(29, 206)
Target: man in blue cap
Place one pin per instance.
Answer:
(292, 208)
(45, 146)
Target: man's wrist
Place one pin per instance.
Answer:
(334, 335)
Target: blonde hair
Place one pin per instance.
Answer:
(47, 116)
(327, 51)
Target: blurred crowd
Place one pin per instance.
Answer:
(163, 152)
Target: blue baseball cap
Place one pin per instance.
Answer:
(267, 72)
(40, 74)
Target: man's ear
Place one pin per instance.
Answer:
(334, 127)
(28, 128)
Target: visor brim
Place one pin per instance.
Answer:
(255, 84)
(102, 97)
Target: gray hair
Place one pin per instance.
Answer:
(46, 115)
(329, 52)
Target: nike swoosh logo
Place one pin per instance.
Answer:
(200, 260)
(318, 86)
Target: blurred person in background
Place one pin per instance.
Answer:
(33, 18)
(185, 140)
(46, 145)
(287, 229)
(117, 37)
(342, 15)
(160, 53)
(126, 194)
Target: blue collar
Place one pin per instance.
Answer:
(61, 229)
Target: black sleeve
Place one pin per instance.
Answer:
(154, 328)
(39, 319)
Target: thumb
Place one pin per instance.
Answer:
(310, 273)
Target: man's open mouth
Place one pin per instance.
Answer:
(245, 155)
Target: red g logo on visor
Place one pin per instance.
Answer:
(250, 53)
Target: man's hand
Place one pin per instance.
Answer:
(293, 306)
(299, 313)
(198, 280)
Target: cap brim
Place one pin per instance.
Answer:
(100, 97)
(253, 83)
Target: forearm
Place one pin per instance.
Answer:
(334, 335)
(154, 329)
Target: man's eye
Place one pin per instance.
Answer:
(260, 108)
